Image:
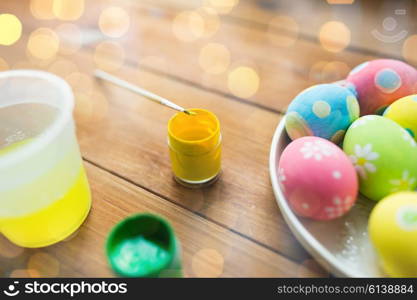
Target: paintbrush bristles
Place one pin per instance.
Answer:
(190, 113)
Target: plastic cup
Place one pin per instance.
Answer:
(195, 147)
(144, 245)
(44, 193)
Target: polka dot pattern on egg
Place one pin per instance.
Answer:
(353, 107)
(378, 83)
(321, 109)
(324, 110)
(392, 229)
(296, 126)
(387, 80)
(407, 217)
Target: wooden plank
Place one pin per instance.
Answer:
(127, 135)
(361, 17)
(282, 71)
(209, 250)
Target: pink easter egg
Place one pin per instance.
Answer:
(317, 178)
(380, 82)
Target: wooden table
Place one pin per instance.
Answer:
(244, 64)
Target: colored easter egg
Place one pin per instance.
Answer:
(380, 82)
(317, 178)
(324, 110)
(404, 112)
(384, 155)
(393, 232)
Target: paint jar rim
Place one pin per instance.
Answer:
(124, 226)
(213, 134)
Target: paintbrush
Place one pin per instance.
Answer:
(138, 90)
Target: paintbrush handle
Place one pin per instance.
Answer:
(138, 90)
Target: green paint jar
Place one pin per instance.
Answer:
(144, 245)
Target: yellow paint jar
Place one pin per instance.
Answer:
(195, 147)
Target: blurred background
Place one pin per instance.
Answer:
(268, 45)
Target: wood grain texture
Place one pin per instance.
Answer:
(123, 137)
(208, 249)
(282, 71)
(126, 134)
(361, 17)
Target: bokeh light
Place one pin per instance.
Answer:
(8, 249)
(80, 82)
(214, 58)
(22, 64)
(63, 68)
(207, 263)
(24, 273)
(43, 44)
(157, 62)
(4, 66)
(222, 6)
(188, 26)
(243, 82)
(283, 31)
(42, 9)
(68, 10)
(70, 37)
(109, 56)
(210, 19)
(334, 36)
(334, 71)
(316, 71)
(90, 107)
(43, 264)
(409, 50)
(10, 29)
(114, 22)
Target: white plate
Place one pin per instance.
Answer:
(341, 246)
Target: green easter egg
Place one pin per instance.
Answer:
(404, 112)
(384, 156)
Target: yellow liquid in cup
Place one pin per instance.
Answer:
(57, 220)
(195, 146)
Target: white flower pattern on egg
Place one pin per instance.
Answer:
(281, 178)
(362, 160)
(404, 184)
(362, 121)
(316, 150)
(340, 206)
(337, 175)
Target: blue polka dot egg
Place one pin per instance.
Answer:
(324, 110)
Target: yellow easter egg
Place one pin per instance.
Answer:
(404, 112)
(393, 232)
